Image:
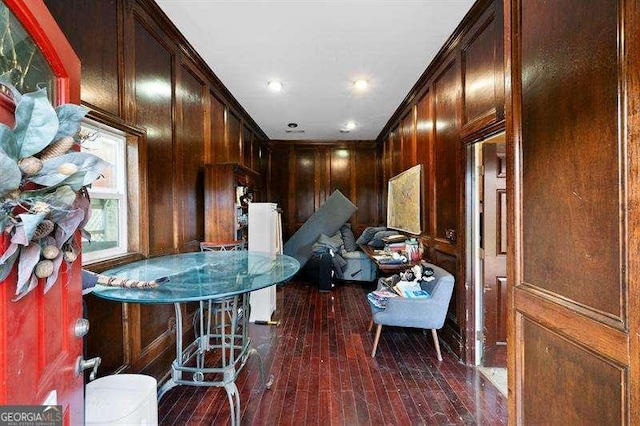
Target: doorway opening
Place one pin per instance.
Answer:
(487, 254)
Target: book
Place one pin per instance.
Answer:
(410, 290)
(385, 259)
(396, 246)
(394, 238)
(379, 298)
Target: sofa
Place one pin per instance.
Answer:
(425, 313)
(338, 256)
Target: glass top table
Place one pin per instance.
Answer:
(220, 283)
(200, 276)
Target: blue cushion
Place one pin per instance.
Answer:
(348, 237)
(368, 234)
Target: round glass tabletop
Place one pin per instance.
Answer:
(199, 276)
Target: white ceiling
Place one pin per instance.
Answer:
(317, 49)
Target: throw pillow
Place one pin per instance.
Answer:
(348, 237)
(368, 234)
(334, 242)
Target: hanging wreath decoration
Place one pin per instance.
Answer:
(43, 189)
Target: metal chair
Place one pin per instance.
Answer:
(216, 315)
(428, 313)
(223, 246)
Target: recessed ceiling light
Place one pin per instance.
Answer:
(276, 86)
(350, 125)
(361, 84)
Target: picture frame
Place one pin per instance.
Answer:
(404, 201)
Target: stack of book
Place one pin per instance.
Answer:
(397, 238)
(379, 298)
(396, 246)
(388, 259)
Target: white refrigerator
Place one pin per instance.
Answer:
(265, 235)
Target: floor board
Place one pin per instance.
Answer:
(324, 374)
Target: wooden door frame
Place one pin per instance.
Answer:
(473, 276)
(472, 354)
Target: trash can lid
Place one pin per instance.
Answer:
(111, 398)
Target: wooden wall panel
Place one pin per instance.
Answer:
(340, 173)
(573, 216)
(190, 144)
(247, 145)
(258, 157)
(155, 320)
(395, 149)
(482, 72)
(153, 82)
(232, 138)
(446, 89)
(408, 138)
(96, 43)
(582, 189)
(573, 384)
(424, 156)
(368, 194)
(216, 120)
(279, 188)
(106, 316)
(305, 193)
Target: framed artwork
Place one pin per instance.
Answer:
(403, 201)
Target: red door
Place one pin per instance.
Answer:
(495, 253)
(38, 346)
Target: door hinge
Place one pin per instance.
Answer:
(481, 170)
(481, 253)
(479, 335)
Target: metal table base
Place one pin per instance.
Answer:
(219, 324)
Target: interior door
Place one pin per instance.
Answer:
(38, 346)
(574, 262)
(494, 278)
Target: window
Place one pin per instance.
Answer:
(108, 222)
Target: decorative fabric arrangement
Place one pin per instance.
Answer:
(43, 189)
(90, 279)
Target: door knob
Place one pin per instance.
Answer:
(82, 327)
(93, 363)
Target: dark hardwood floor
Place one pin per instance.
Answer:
(324, 374)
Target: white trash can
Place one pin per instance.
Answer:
(122, 399)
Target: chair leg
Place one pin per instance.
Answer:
(375, 340)
(434, 333)
(370, 324)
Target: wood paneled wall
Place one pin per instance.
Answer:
(572, 141)
(459, 99)
(140, 75)
(303, 174)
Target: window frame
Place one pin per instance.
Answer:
(119, 192)
(137, 206)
